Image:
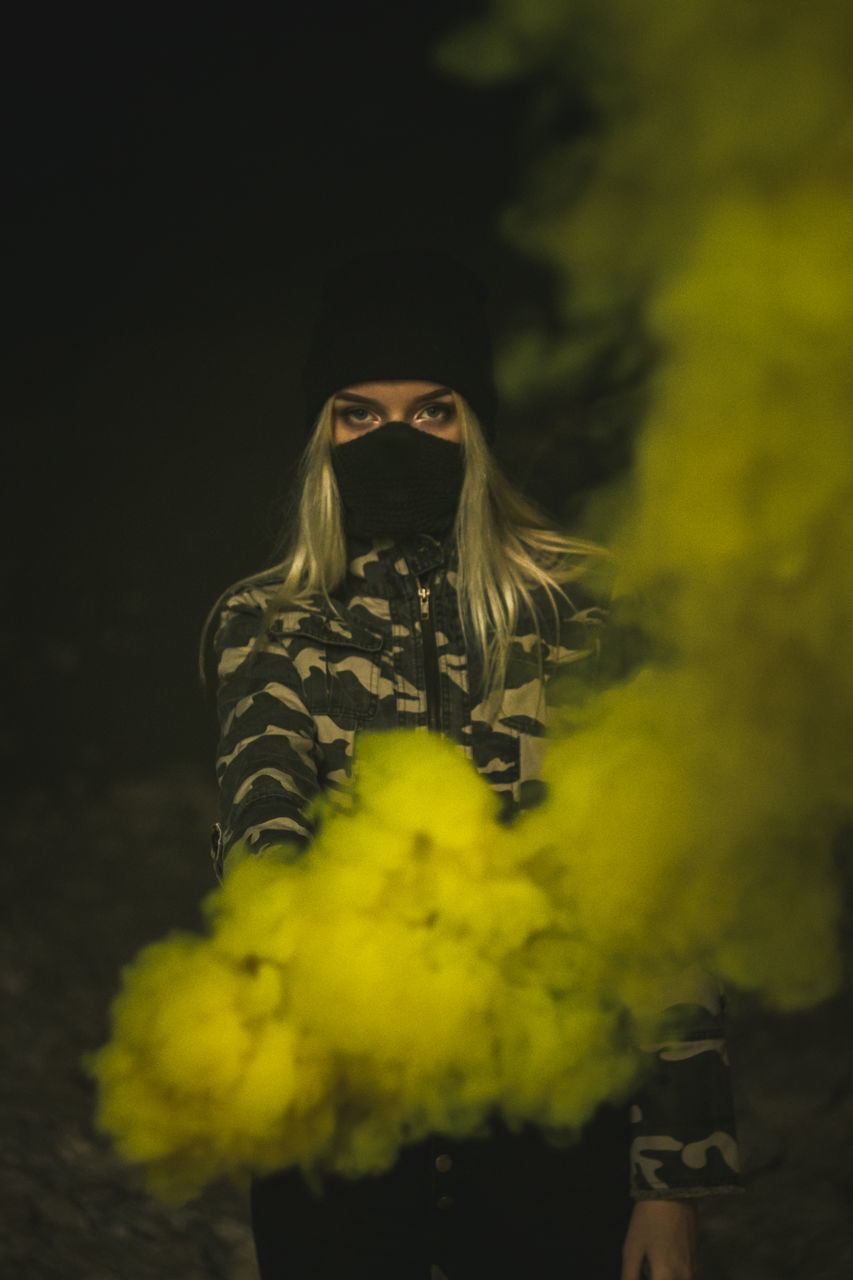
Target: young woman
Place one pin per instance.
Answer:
(420, 589)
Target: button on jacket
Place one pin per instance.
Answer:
(390, 654)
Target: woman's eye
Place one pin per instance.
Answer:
(436, 412)
(351, 415)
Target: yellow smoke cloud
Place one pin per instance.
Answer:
(405, 976)
(422, 964)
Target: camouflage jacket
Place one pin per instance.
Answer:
(392, 655)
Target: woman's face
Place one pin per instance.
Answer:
(367, 405)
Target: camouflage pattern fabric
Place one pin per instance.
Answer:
(683, 1134)
(290, 710)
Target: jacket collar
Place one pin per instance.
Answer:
(421, 552)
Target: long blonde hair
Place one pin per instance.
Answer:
(506, 547)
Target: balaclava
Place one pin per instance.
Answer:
(401, 315)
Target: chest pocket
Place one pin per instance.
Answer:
(338, 660)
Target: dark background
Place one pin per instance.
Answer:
(175, 182)
(179, 180)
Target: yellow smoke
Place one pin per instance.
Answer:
(405, 976)
(422, 964)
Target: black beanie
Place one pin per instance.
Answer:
(402, 315)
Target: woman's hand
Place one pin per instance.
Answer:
(662, 1234)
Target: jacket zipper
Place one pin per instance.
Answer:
(433, 697)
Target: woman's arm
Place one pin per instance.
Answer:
(684, 1140)
(267, 761)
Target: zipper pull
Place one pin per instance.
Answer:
(423, 594)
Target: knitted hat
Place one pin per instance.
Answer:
(402, 315)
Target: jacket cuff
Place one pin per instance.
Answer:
(683, 1133)
(254, 837)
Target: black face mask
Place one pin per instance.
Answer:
(397, 479)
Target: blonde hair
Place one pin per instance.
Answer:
(506, 548)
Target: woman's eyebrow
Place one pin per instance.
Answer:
(429, 395)
(433, 395)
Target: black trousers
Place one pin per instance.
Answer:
(506, 1206)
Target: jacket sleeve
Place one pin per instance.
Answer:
(683, 1135)
(267, 761)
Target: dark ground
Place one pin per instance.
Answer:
(94, 877)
